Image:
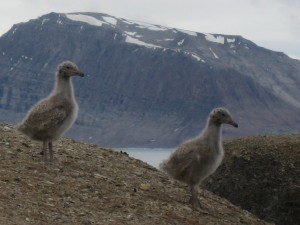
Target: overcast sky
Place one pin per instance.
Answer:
(273, 24)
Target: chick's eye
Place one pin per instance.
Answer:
(223, 114)
(68, 67)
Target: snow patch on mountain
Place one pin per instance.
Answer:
(230, 40)
(44, 21)
(215, 55)
(14, 31)
(110, 20)
(86, 19)
(130, 33)
(195, 56)
(179, 43)
(214, 38)
(192, 33)
(135, 41)
(149, 26)
(134, 34)
(128, 22)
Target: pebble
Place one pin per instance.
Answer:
(6, 128)
(49, 204)
(145, 187)
(49, 182)
(100, 157)
(97, 175)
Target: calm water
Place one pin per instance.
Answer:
(152, 156)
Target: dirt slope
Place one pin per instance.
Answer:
(91, 185)
(261, 174)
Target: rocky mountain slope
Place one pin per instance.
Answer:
(92, 185)
(261, 174)
(147, 85)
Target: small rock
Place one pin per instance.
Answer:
(138, 174)
(6, 128)
(25, 144)
(145, 187)
(97, 175)
(49, 204)
(49, 182)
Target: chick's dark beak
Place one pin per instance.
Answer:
(234, 124)
(79, 73)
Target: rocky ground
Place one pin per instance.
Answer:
(261, 174)
(91, 185)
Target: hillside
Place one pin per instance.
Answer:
(147, 85)
(92, 185)
(261, 174)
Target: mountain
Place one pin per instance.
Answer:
(147, 85)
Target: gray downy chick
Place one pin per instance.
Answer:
(51, 117)
(196, 159)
